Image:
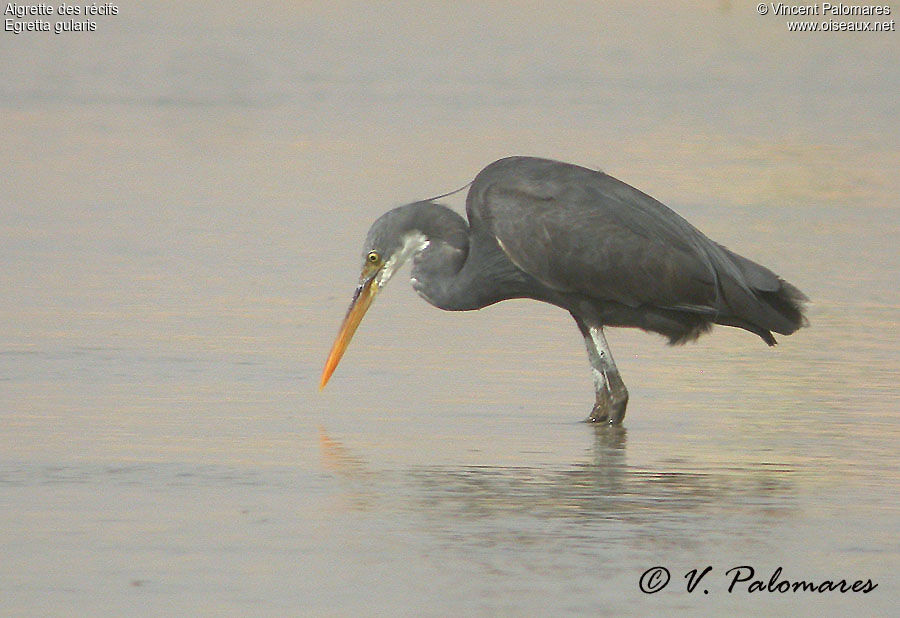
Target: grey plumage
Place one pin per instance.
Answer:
(584, 241)
(586, 233)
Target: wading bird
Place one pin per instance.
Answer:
(583, 241)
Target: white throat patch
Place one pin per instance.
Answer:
(412, 244)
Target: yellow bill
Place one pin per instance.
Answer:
(363, 297)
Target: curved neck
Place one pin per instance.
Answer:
(463, 280)
(452, 269)
(439, 260)
(437, 223)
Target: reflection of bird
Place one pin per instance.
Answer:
(581, 240)
(336, 458)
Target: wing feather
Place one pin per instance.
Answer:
(577, 230)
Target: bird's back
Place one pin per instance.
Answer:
(585, 233)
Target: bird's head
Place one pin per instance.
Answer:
(391, 241)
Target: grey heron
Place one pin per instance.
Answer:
(583, 241)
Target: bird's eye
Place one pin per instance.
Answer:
(374, 257)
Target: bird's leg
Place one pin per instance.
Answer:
(612, 396)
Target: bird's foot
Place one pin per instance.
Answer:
(598, 415)
(610, 408)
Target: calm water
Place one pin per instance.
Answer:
(185, 191)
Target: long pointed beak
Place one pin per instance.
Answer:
(362, 298)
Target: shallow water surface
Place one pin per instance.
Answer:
(185, 194)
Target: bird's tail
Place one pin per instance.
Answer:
(762, 302)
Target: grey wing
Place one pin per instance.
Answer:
(577, 230)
